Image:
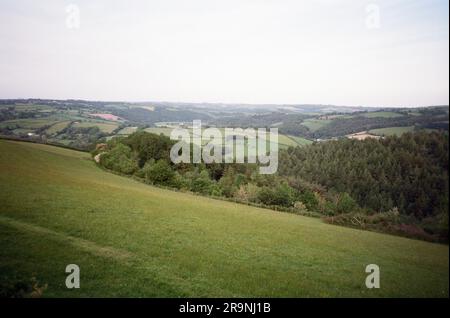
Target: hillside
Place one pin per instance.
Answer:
(131, 239)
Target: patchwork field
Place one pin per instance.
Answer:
(284, 141)
(131, 239)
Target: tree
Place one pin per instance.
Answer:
(160, 173)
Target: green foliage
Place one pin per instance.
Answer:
(159, 172)
(409, 172)
(119, 159)
(345, 204)
(203, 184)
(148, 146)
(282, 195)
(309, 199)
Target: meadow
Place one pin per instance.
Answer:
(131, 239)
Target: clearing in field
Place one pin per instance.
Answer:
(362, 135)
(130, 239)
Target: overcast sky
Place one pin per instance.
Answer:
(338, 52)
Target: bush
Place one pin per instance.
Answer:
(247, 193)
(282, 195)
(202, 183)
(119, 159)
(345, 204)
(160, 173)
(309, 199)
(300, 207)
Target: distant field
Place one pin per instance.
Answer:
(130, 239)
(32, 123)
(284, 141)
(392, 131)
(56, 128)
(104, 127)
(315, 124)
(127, 131)
(158, 131)
(301, 141)
(382, 114)
(33, 107)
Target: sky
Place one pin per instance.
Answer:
(342, 52)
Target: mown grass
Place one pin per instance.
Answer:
(130, 239)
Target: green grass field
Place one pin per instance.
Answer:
(56, 128)
(301, 141)
(390, 131)
(127, 131)
(33, 123)
(104, 127)
(315, 124)
(130, 239)
(382, 114)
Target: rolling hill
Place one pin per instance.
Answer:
(130, 239)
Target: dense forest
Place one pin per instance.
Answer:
(397, 184)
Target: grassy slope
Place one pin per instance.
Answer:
(130, 239)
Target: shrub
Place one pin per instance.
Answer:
(160, 173)
(282, 195)
(345, 204)
(119, 159)
(300, 207)
(309, 199)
